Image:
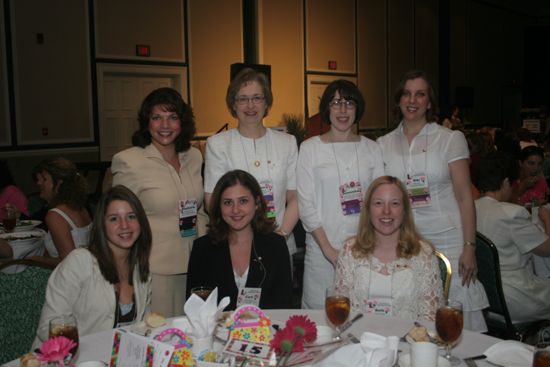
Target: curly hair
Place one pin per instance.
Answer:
(347, 91)
(409, 238)
(218, 229)
(244, 77)
(99, 244)
(410, 75)
(69, 186)
(170, 100)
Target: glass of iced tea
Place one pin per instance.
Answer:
(449, 321)
(65, 325)
(541, 358)
(10, 219)
(202, 292)
(337, 307)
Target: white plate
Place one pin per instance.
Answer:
(325, 335)
(26, 225)
(22, 237)
(405, 361)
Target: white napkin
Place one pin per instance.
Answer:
(373, 351)
(202, 314)
(510, 353)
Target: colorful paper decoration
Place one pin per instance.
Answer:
(255, 330)
(182, 356)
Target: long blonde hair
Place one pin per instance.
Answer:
(409, 238)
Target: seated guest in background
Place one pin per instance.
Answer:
(107, 284)
(5, 249)
(516, 237)
(68, 220)
(10, 195)
(388, 267)
(241, 254)
(532, 186)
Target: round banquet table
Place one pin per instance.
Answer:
(97, 346)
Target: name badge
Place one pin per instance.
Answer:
(419, 191)
(188, 217)
(249, 296)
(379, 306)
(351, 197)
(267, 191)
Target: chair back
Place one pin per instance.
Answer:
(446, 272)
(488, 273)
(21, 299)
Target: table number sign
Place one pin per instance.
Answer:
(259, 352)
(130, 350)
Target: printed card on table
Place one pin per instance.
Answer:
(130, 350)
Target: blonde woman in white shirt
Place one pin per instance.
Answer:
(334, 170)
(433, 163)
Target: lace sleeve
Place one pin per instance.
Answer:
(431, 290)
(344, 267)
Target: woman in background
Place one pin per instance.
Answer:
(432, 162)
(164, 171)
(11, 197)
(68, 220)
(241, 254)
(106, 285)
(334, 170)
(388, 268)
(531, 186)
(268, 155)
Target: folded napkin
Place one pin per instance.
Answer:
(373, 351)
(510, 353)
(203, 315)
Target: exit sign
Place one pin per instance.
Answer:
(143, 50)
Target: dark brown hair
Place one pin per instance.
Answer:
(218, 229)
(410, 75)
(99, 245)
(68, 185)
(347, 91)
(244, 77)
(170, 100)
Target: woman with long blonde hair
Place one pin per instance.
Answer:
(388, 267)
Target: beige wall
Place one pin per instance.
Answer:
(52, 79)
(215, 42)
(123, 24)
(4, 111)
(281, 46)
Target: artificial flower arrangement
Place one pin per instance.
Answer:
(298, 330)
(56, 351)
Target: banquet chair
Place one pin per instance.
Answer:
(446, 272)
(21, 298)
(497, 316)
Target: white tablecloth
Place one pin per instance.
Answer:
(25, 248)
(98, 346)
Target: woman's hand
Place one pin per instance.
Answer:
(467, 265)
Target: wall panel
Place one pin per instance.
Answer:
(5, 133)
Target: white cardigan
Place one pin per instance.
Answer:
(77, 287)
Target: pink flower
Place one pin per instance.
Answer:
(56, 350)
(284, 341)
(303, 327)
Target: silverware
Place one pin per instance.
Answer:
(353, 338)
(347, 325)
(470, 362)
(327, 353)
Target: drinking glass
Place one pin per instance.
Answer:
(449, 321)
(10, 219)
(337, 307)
(65, 325)
(541, 357)
(202, 292)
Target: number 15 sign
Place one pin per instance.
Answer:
(251, 350)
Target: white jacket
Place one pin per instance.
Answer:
(77, 287)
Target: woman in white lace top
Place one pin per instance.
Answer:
(388, 267)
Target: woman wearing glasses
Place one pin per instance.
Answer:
(334, 171)
(268, 155)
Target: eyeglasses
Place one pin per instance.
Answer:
(348, 104)
(245, 100)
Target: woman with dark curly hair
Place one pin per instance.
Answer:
(164, 171)
(251, 262)
(68, 220)
(388, 268)
(108, 284)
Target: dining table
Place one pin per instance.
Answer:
(97, 346)
(23, 244)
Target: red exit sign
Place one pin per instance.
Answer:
(143, 50)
